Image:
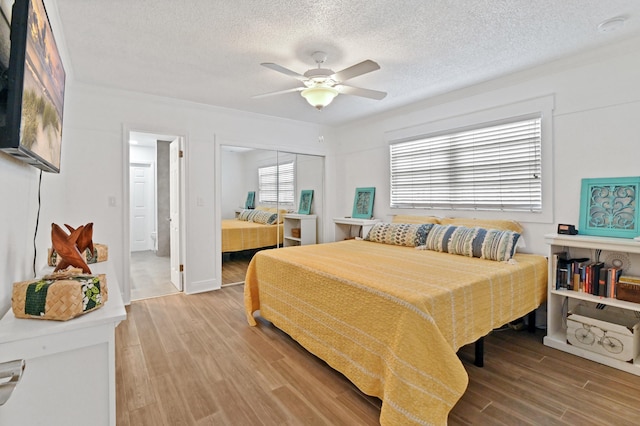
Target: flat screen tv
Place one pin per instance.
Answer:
(34, 89)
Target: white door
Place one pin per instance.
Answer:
(141, 201)
(175, 148)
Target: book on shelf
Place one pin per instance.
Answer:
(581, 275)
(595, 278)
(602, 283)
(613, 277)
(628, 279)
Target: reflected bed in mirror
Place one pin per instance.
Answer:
(277, 178)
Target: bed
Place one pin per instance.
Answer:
(390, 317)
(252, 229)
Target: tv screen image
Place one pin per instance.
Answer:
(36, 83)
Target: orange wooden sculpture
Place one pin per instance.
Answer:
(85, 239)
(66, 245)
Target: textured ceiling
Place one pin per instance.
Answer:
(210, 51)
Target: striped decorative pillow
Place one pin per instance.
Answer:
(400, 234)
(495, 244)
(438, 238)
(264, 217)
(246, 214)
(492, 244)
(462, 241)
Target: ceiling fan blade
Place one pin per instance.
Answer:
(356, 70)
(284, 70)
(279, 92)
(357, 91)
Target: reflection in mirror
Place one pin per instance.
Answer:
(277, 179)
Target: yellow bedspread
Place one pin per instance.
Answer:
(238, 235)
(392, 318)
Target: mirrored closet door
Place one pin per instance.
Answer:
(277, 179)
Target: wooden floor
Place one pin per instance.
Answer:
(193, 360)
(234, 267)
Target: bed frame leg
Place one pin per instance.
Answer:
(532, 322)
(479, 345)
(479, 361)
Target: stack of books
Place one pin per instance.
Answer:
(582, 275)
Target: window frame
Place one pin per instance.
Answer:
(495, 153)
(277, 201)
(541, 106)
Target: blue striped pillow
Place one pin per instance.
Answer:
(492, 244)
(438, 237)
(246, 214)
(495, 244)
(264, 217)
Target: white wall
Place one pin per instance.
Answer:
(95, 167)
(310, 175)
(97, 122)
(596, 128)
(234, 192)
(18, 216)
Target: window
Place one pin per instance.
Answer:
(492, 167)
(276, 184)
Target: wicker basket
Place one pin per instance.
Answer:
(295, 232)
(59, 297)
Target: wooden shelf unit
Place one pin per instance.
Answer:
(307, 225)
(556, 322)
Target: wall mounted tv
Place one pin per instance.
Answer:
(33, 90)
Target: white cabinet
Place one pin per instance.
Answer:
(299, 229)
(348, 227)
(70, 372)
(560, 301)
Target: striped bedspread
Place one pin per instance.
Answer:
(238, 235)
(392, 318)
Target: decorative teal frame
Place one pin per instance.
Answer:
(609, 207)
(251, 200)
(363, 203)
(306, 197)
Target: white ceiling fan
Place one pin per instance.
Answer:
(321, 85)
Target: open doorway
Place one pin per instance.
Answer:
(154, 215)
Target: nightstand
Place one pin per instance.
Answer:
(299, 229)
(348, 227)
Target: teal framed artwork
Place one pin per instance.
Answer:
(609, 207)
(251, 200)
(363, 203)
(306, 197)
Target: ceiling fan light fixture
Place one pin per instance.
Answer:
(319, 96)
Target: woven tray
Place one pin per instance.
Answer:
(59, 297)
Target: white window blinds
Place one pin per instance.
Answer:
(276, 184)
(497, 167)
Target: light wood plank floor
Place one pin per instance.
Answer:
(150, 275)
(234, 267)
(193, 360)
